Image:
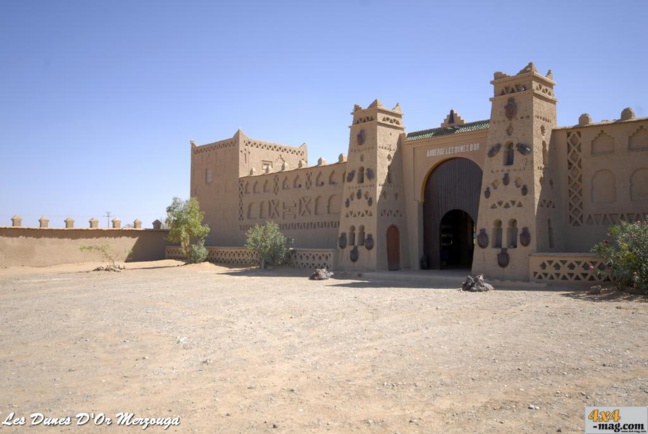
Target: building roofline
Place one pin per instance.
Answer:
(441, 131)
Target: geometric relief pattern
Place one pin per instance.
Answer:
(234, 255)
(359, 214)
(276, 148)
(241, 186)
(391, 213)
(575, 178)
(311, 259)
(333, 224)
(207, 148)
(569, 270)
(639, 140)
(506, 204)
(602, 144)
(299, 258)
(613, 219)
(545, 203)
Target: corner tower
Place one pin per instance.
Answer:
(509, 229)
(372, 217)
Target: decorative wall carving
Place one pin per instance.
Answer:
(506, 204)
(575, 178)
(276, 148)
(299, 258)
(639, 140)
(614, 218)
(523, 149)
(639, 186)
(545, 203)
(602, 144)
(572, 268)
(197, 150)
(391, 213)
(494, 150)
(603, 187)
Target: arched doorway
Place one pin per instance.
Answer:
(451, 192)
(457, 235)
(393, 248)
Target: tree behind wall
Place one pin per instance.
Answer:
(184, 220)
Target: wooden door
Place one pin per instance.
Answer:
(393, 248)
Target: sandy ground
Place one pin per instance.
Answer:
(236, 350)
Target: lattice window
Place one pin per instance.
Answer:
(570, 270)
(299, 258)
(312, 259)
(575, 178)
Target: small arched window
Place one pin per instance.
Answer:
(361, 235)
(352, 236)
(509, 154)
(497, 234)
(512, 234)
(361, 173)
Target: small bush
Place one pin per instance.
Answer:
(269, 245)
(107, 252)
(198, 252)
(625, 253)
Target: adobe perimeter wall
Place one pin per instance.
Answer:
(40, 247)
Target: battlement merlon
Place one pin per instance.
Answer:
(527, 80)
(376, 112)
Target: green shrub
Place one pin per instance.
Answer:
(184, 220)
(268, 244)
(625, 254)
(198, 252)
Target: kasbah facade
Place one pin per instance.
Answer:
(515, 197)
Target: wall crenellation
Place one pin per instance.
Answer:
(69, 223)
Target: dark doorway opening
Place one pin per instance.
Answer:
(457, 239)
(453, 187)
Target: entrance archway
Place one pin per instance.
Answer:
(393, 248)
(452, 188)
(457, 235)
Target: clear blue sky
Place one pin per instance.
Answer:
(99, 99)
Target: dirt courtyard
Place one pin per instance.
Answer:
(228, 350)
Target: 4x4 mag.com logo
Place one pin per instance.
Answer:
(605, 420)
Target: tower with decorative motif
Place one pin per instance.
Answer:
(372, 217)
(513, 220)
